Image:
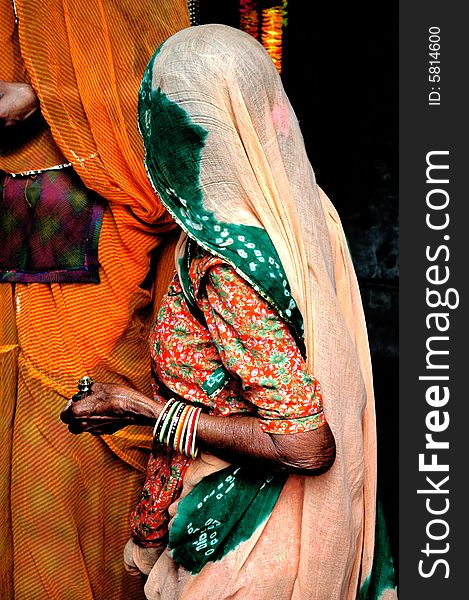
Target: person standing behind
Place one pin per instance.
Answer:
(78, 224)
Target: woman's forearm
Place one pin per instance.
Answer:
(235, 438)
(240, 439)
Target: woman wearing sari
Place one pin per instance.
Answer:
(262, 481)
(78, 224)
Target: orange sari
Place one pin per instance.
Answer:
(65, 500)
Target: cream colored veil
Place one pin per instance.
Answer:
(225, 153)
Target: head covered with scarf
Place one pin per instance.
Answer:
(226, 156)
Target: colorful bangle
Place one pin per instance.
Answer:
(189, 444)
(167, 421)
(194, 449)
(184, 429)
(189, 429)
(176, 427)
(180, 428)
(159, 420)
(169, 441)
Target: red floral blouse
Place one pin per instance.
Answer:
(237, 357)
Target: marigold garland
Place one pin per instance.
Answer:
(249, 17)
(272, 34)
(273, 19)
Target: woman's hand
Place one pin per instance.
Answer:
(109, 408)
(18, 101)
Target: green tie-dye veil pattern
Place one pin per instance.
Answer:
(174, 144)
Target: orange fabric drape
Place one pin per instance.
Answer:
(65, 500)
(87, 77)
(31, 151)
(85, 61)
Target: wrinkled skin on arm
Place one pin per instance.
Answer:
(236, 438)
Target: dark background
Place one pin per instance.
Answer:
(340, 70)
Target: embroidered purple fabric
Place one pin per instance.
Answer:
(49, 228)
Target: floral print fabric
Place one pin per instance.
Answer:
(241, 359)
(265, 373)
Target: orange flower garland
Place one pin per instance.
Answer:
(249, 17)
(273, 19)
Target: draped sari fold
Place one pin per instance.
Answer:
(65, 500)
